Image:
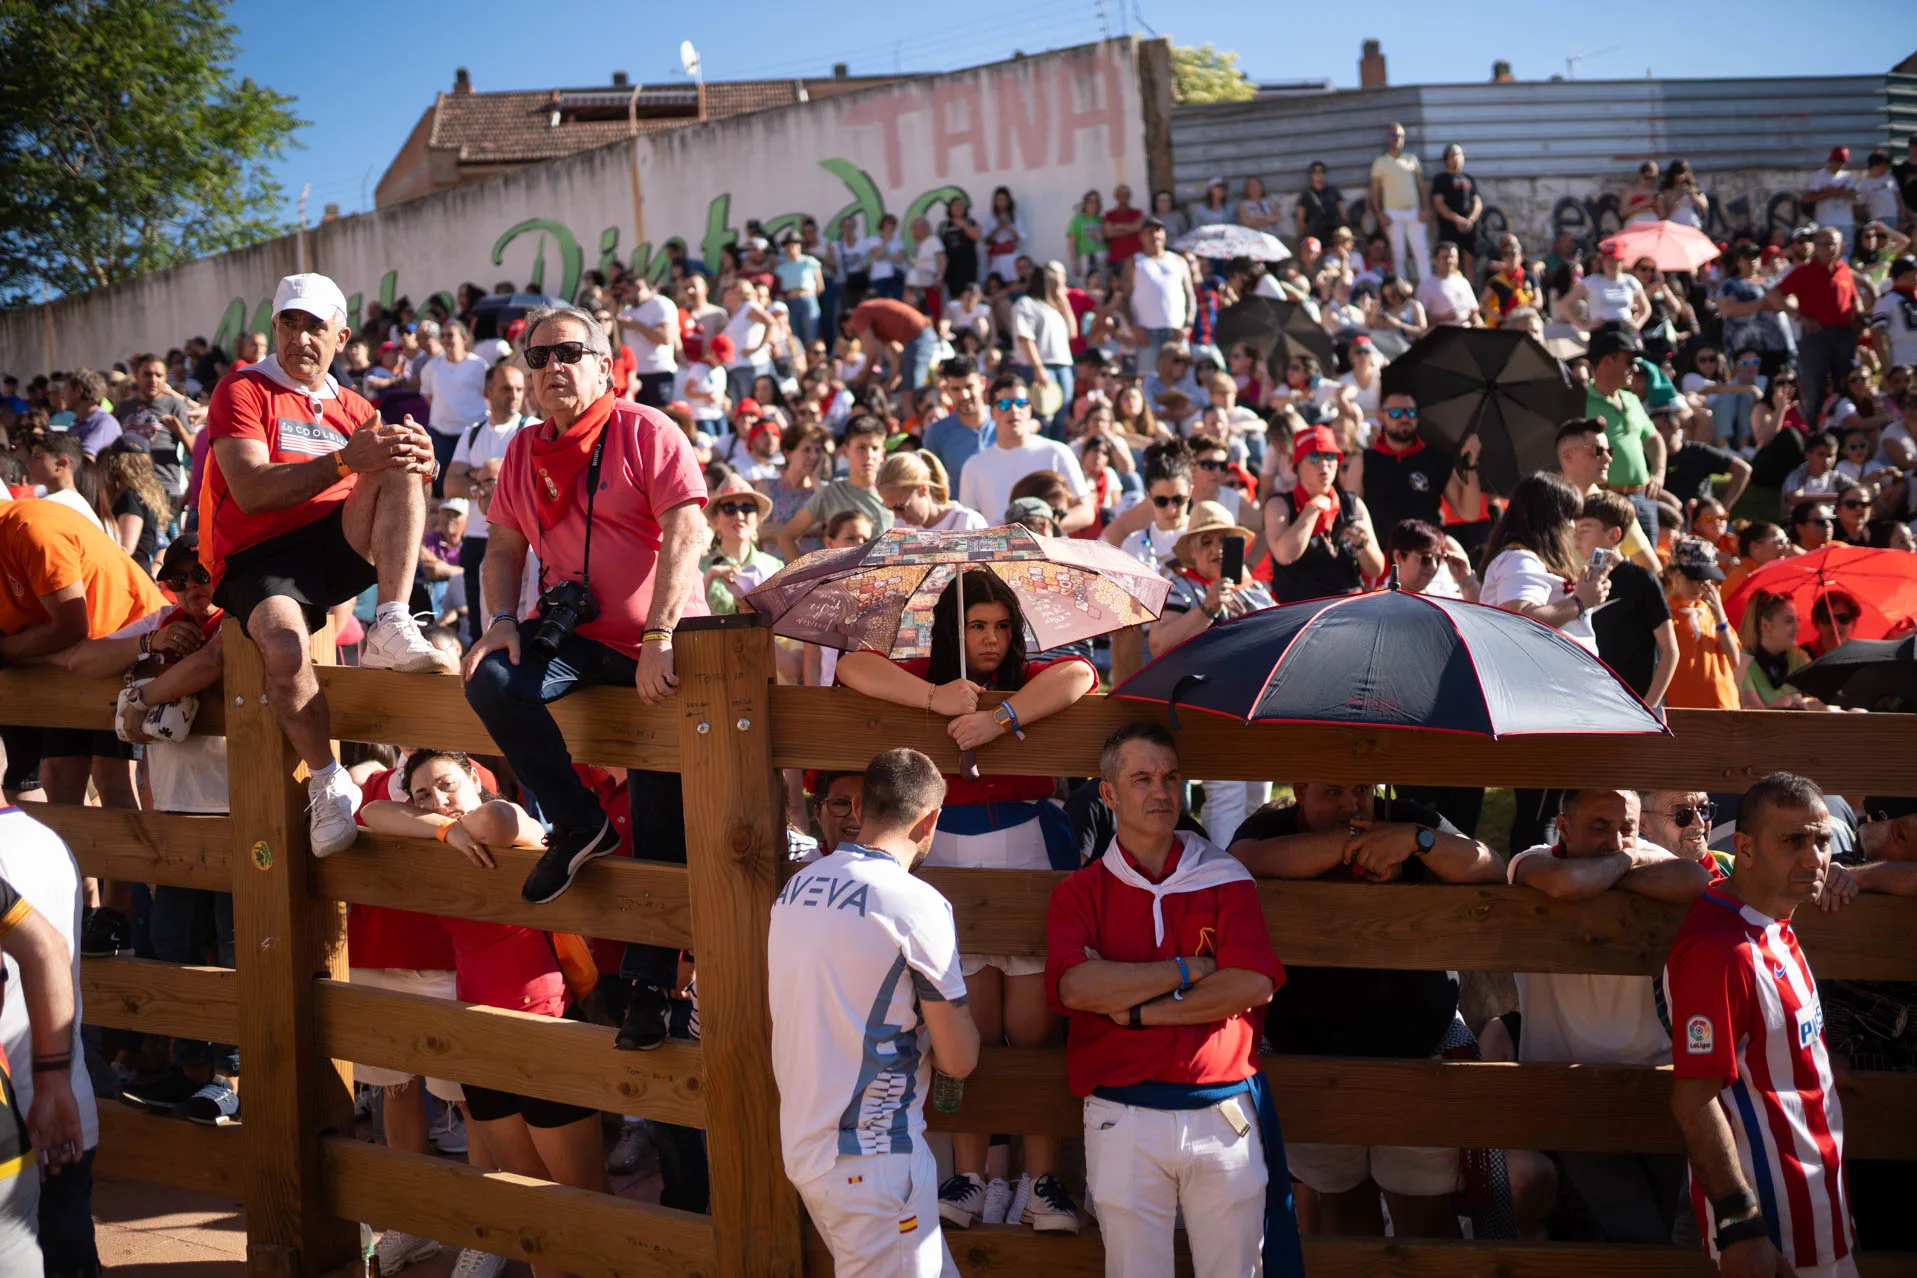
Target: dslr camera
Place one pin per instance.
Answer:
(563, 608)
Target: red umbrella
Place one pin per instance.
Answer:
(1672, 245)
(1881, 583)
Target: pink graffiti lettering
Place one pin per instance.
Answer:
(1021, 113)
(886, 110)
(1080, 78)
(945, 138)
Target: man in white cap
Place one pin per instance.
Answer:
(309, 499)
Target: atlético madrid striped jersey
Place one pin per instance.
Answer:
(1744, 1009)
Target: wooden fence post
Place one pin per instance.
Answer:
(283, 938)
(734, 837)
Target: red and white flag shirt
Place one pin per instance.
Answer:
(1744, 1010)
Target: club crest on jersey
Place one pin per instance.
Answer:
(1697, 1036)
(1419, 481)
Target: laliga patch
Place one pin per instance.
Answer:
(1697, 1036)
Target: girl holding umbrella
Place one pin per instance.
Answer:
(1320, 536)
(991, 822)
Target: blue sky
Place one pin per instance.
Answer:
(363, 72)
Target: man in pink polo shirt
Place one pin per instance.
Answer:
(608, 494)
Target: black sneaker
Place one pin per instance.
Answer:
(567, 848)
(215, 1105)
(105, 933)
(162, 1096)
(647, 1022)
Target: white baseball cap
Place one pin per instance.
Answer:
(457, 505)
(314, 294)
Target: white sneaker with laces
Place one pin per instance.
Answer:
(478, 1264)
(395, 1250)
(395, 643)
(331, 802)
(1021, 1197)
(998, 1197)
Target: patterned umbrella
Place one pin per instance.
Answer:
(1227, 240)
(879, 596)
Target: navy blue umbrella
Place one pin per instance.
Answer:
(1395, 660)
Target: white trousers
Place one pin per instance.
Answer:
(1142, 1165)
(879, 1213)
(1407, 233)
(1228, 803)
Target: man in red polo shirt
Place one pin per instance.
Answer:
(1159, 955)
(1826, 302)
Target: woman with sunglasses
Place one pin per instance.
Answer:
(1812, 524)
(1150, 530)
(997, 822)
(916, 489)
(1778, 410)
(1638, 203)
(734, 566)
(1748, 322)
(1834, 617)
(1320, 536)
(1853, 516)
(1769, 635)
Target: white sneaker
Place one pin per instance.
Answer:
(998, 1197)
(396, 644)
(1021, 1196)
(331, 802)
(396, 1250)
(478, 1264)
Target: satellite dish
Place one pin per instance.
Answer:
(688, 57)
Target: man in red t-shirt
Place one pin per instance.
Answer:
(1825, 294)
(308, 500)
(1158, 953)
(1122, 225)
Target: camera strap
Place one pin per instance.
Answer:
(592, 493)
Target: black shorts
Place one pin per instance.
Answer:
(26, 747)
(487, 1105)
(314, 566)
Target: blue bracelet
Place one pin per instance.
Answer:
(1184, 973)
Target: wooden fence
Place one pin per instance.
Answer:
(306, 1182)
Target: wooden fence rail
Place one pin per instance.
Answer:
(306, 1183)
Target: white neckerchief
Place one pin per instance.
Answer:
(270, 367)
(1201, 865)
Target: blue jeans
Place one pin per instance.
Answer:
(1823, 361)
(805, 317)
(183, 920)
(511, 701)
(892, 286)
(918, 357)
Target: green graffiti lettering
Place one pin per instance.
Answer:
(609, 251)
(232, 324)
(918, 207)
(571, 259)
(866, 200)
(352, 311)
(779, 225)
(389, 289)
(718, 234)
(262, 318)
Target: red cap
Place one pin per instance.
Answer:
(514, 328)
(1840, 154)
(719, 350)
(1316, 439)
(384, 347)
(749, 407)
(1611, 248)
(679, 406)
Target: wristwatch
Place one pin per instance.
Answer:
(1427, 839)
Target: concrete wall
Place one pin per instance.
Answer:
(1049, 127)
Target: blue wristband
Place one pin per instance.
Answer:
(1184, 974)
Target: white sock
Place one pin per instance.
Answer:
(388, 612)
(325, 773)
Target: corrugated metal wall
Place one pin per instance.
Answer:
(1546, 128)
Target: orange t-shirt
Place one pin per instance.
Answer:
(250, 405)
(1705, 679)
(46, 547)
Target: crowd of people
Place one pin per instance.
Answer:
(438, 499)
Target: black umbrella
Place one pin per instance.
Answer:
(1399, 660)
(1862, 673)
(1268, 325)
(1491, 382)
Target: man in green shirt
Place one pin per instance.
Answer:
(864, 449)
(1637, 450)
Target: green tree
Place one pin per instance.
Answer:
(1206, 74)
(126, 143)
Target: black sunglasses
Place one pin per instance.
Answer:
(1210, 465)
(197, 575)
(1843, 618)
(565, 352)
(1684, 814)
(1853, 504)
(1178, 500)
(738, 507)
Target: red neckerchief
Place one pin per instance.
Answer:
(1387, 445)
(1191, 574)
(559, 462)
(1326, 519)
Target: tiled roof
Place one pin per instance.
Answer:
(516, 127)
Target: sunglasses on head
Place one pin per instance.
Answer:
(1401, 414)
(1685, 813)
(197, 575)
(564, 352)
(1177, 501)
(1007, 405)
(738, 507)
